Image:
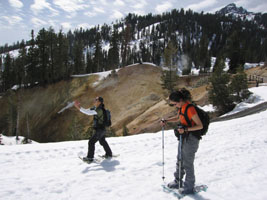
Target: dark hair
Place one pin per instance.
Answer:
(182, 94)
(100, 99)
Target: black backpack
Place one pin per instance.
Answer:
(203, 116)
(107, 118)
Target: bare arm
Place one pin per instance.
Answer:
(198, 125)
(173, 119)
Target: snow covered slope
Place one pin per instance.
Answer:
(231, 160)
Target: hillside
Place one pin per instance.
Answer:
(231, 160)
(134, 96)
(50, 57)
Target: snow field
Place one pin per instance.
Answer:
(231, 160)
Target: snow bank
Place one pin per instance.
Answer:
(258, 96)
(5, 140)
(231, 160)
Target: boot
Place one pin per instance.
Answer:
(175, 184)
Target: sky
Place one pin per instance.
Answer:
(19, 17)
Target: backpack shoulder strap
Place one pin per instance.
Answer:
(186, 116)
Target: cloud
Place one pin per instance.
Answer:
(163, 7)
(119, 3)
(139, 5)
(259, 8)
(252, 6)
(116, 15)
(12, 20)
(71, 6)
(90, 14)
(139, 12)
(66, 25)
(16, 3)
(99, 10)
(243, 3)
(40, 5)
(201, 5)
(85, 26)
(95, 12)
(104, 2)
(38, 22)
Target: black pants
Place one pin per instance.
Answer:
(99, 135)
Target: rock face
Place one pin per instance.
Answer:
(134, 95)
(233, 9)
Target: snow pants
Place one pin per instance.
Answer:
(99, 135)
(189, 149)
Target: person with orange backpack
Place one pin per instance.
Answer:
(188, 132)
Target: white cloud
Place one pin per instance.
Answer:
(95, 12)
(38, 22)
(40, 5)
(66, 25)
(163, 7)
(119, 3)
(252, 6)
(139, 5)
(116, 15)
(104, 2)
(259, 8)
(243, 3)
(16, 3)
(99, 10)
(90, 14)
(201, 5)
(12, 20)
(71, 5)
(139, 12)
(85, 26)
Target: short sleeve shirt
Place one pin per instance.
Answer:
(191, 111)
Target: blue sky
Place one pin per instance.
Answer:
(19, 17)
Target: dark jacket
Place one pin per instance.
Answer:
(98, 122)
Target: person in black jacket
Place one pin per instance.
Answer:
(99, 129)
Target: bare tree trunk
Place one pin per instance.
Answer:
(28, 129)
(18, 118)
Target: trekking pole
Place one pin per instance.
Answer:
(163, 177)
(180, 159)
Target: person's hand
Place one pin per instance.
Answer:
(163, 122)
(182, 130)
(77, 104)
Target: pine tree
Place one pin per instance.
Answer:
(42, 42)
(125, 44)
(1, 74)
(7, 73)
(169, 77)
(62, 70)
(219, 92)
(32, 72)
(98, 55)
(78, 57)
(234, 51)
(52, 45)
(239, 86)
(113, 53)
(21, 62)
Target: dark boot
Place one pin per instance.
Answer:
(175, 184)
